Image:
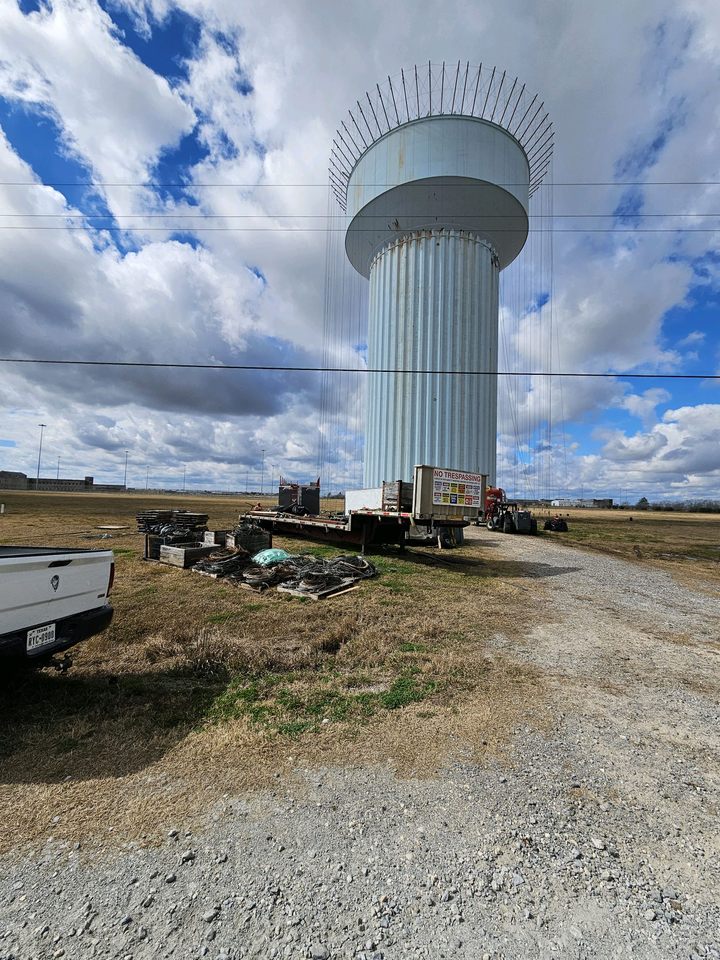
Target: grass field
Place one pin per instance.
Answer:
(199, 686)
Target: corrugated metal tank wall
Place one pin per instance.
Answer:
(433, 306)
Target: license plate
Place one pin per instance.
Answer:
(40, 637)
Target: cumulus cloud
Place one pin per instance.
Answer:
(644, 405)
(693, 338)
(116, 114)
(627, 87)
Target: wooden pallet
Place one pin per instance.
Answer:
(179, 518)
(345, 587)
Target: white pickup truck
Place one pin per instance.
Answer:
(51, 599)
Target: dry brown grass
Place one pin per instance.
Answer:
(199, 688)
(685, 545)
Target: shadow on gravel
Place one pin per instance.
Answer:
(81, 726)
(516, 568)
(472, 567)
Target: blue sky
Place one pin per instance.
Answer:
(183, 147)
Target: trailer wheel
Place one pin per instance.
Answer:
(490, 525)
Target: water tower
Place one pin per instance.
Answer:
(435, 170)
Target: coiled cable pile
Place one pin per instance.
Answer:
(305, 573)
(222, 565)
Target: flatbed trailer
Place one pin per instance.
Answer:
(360, 528)
(425, 512)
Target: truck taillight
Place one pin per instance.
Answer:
(111, 579)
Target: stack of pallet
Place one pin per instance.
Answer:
(164, 528)
(190, 521)
(149, 521)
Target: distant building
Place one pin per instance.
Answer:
(10, 480)
(50, 484)
(598, 503)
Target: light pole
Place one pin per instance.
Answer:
(184, 470)
(147, 478)
(125, 478)
(37, 476)
(57, 476)
(262, 472)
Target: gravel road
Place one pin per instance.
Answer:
(596, 837)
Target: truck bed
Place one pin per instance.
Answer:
(47, 585)
(44, 551)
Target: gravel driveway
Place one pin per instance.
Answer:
(597, 837)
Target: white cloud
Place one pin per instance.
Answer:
(638, 448)
(695, 336)
(644, 405)
(678, 458)
(609, 79)
(115, 113)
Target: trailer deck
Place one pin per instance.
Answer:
(360, 528)
(422, 512)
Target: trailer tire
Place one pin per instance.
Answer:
(490, 525)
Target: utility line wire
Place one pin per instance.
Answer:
(324, 369)
(222, 229)
(341, 216)
(253, 186)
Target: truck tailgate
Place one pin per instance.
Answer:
(44, 589)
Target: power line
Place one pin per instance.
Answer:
(253, 186)
(340, 216)
(322, 369)
(297, 229)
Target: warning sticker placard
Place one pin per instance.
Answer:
(456, 488)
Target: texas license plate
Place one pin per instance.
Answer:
(40, 637)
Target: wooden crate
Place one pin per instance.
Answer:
(397, 496)
(152, 547)
(216, 537)
(185, 554)
(253, 542)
